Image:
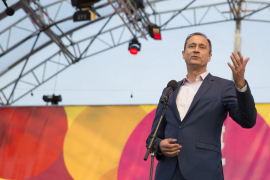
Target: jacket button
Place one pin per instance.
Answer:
(180, 127)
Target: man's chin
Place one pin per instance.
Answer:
(195, 64)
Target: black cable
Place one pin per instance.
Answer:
(4, 1)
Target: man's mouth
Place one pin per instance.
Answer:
(195, 56)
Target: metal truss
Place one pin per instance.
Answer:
(125, 10)
(74, 51)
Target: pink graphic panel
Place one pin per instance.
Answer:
(132, 165)
(246, 151)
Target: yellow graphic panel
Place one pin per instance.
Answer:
(264, 111)
(148, 108)
(72, 112)
(96, 138)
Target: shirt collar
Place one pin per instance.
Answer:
(201, 77)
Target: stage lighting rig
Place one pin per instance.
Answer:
(133, 16)
(134, 46)
(9, 11)
(53, 99)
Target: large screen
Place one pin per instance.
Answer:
(108, 143)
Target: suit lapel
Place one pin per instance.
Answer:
(173, 100)
(207, 83)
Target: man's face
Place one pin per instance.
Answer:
(197, 51)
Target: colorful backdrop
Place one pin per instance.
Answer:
(108, 143)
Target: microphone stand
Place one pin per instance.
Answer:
(152, 146)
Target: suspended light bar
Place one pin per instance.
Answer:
(53, 99)
(134, 46)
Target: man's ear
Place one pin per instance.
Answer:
(183, 53)
(210, 56)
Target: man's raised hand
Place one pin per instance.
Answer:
(238, 69)
(169, 147)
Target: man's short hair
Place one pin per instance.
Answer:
(200, 34)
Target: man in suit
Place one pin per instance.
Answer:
(188, 143)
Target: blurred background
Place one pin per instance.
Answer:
(106, 62)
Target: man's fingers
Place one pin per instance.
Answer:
(176, 148)
(171, 154)
(246, 61)
(172, 140)
(232, 68)
(241, 57)
(234, 61)
(171, 146)
(236, 58)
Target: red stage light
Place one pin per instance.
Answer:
(133, 51)
(154, 31)
(157, 34)
(134, 46)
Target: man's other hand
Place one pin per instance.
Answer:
(169, 147)
(238, 69)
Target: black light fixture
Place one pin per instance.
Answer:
(82, 16)
(9, 11)
(83, 3)
(53, 99)
(134, 46)
(137, 4)
(154, 31)
(83, 10)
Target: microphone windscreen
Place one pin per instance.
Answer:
(173, 84)
(10, 11)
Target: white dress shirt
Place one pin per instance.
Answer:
(187, 92)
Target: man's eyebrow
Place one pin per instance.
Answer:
(202, 44)
(196, 43)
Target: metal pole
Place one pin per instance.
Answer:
(237, 37)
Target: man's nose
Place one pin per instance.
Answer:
(196, 50)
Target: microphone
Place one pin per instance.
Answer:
(9, 11)
(172, 86)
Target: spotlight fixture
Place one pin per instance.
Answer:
(154, 31)
(83, 3)
(83, 10)
(134, 46)
(9, 11)
(53, 99)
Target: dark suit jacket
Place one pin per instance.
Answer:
(200, 131)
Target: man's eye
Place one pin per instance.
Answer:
(202, 47)
(191, 46)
